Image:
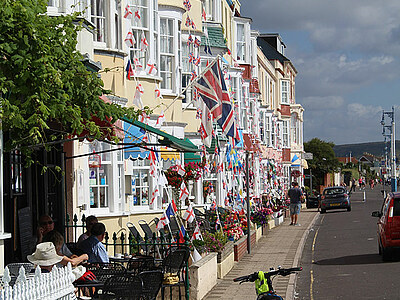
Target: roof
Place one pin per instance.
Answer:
(270, 52)
(346, 160)
(215, 37)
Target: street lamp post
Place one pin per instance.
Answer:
(391, 136)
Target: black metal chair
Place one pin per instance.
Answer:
(140, 263)
(104, 271)
(152, 281)
(14, 268)
(173, 264)
(139, 239)
(123, 287)
(174, 226)
(146, 229)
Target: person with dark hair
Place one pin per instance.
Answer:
(93, 246)
(295, 195)
(46, 225)
(90, 221)
(58, 241)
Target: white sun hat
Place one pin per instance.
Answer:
(45, 255)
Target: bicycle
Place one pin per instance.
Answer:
(263, 281)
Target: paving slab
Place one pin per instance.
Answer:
(282, 246)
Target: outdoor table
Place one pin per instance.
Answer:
(92, 286)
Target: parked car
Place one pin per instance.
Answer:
(389, 225)
(335, 198)
(312, 201)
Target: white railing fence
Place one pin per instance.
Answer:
(41, 286)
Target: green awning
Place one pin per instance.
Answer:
(167, 140)
(192, 157)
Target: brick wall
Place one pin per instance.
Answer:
(240, 247)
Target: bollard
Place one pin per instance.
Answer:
(364, 198)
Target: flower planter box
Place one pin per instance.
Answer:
(228, 249)
(258, 233)
(271, 224)
(240, 247)
(265, 229)
(278, 220)
(226, 260)
(203, 276)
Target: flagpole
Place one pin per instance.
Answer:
(191, 83)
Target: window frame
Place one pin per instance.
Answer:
(285, 91)
(167, 55)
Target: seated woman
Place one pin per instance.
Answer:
(57, 239)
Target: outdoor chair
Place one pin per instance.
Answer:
(14, 268)
(173, 264)
(198, 213)
(140, 263)
(139, 239)
(122, 287)
(146, 229)
(104, 271)
(174, 226)
(152, 281)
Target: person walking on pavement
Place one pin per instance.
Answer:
(353, 185)
(295, 195)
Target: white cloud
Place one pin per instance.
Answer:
(322, 103)
(340, 48)
(364, 111)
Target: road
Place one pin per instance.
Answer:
(340, 259)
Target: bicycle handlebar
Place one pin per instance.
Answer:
(281, 271)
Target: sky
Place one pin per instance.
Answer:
(347, 54)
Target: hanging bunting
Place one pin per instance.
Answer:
(130, 39)
(143, 43)
(196, 42)
(129, 70)
(128, 12)
(187, 4)
(151, 68)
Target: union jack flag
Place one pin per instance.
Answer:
(188, 22)
(196, 42)
(190, 40)
(198, 113)
(197, 61)
(212, 88)
(187, 4)
(191, 57)
(213, 205)
(194, 75)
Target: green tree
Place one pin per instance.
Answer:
(46, 92)
(324, 160)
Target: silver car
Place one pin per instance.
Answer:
(334, 198)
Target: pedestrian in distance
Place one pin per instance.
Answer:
(296, 196)
(353, 185)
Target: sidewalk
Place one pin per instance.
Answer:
(282, 246)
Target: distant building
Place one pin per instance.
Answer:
(347, 159)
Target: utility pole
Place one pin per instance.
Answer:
(391, 136)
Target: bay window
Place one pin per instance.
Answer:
(268, 130)
(285, 92)
(166, 52)
(99, 19)
(240, 42)
(285, 134)
(140, 28)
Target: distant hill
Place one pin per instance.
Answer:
(357, 150)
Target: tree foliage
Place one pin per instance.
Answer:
(46, 92)
(324, 160)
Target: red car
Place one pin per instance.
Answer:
(389, 225)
